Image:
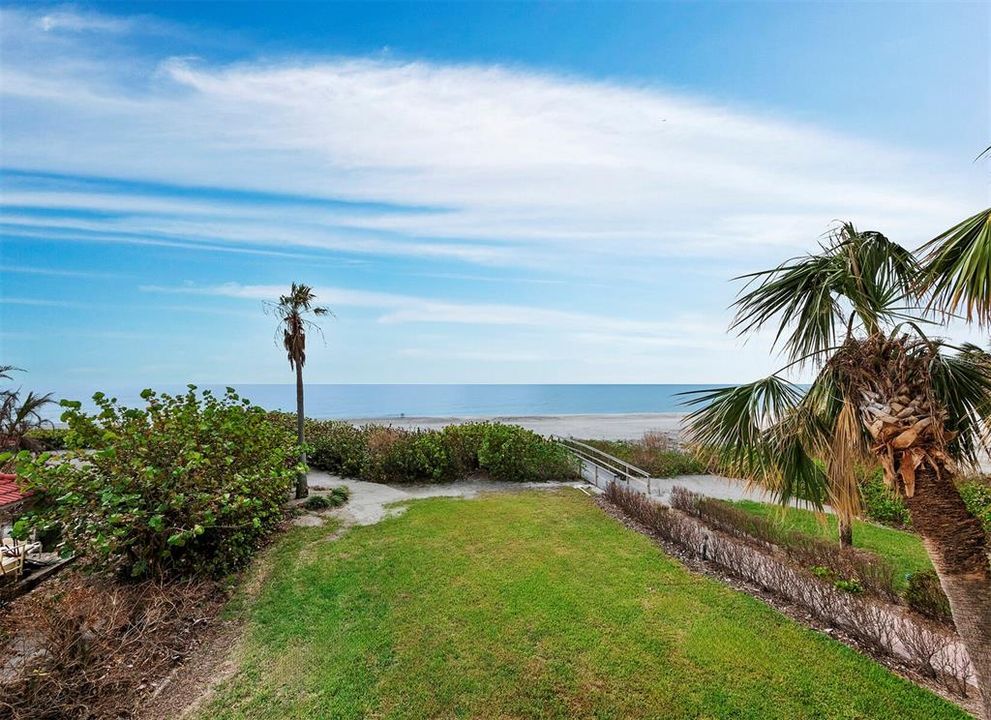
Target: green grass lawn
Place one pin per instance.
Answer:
(903, 549)
(530, 605)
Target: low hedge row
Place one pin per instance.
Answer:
(379, 453)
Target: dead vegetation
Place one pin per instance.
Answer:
(84, 648)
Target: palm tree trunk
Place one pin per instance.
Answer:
(301, 488)
(846, 529)
(911, 449)
(958, 547)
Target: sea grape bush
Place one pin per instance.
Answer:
(398, 456)
(509, 452)
(188, 485)
(48, 438)
(334, 445)
(380, 453)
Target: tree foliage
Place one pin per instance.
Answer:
(187, 485)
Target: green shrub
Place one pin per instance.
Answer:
(396, 455)
(48, 439)
(188, 485)
(510, 452)
(335, 498)
(849, 585)
(654, 453)
(385, 454)
(881, 505)
(925, 596)
(317, 502)
(463, 443)
(336, 446)
(976, 496)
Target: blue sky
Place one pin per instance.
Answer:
(508, 192)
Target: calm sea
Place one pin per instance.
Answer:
(388, 401)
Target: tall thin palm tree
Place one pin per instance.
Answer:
(883, 391)
(292, 310)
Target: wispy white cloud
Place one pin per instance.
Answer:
(40, 302)
(524, 164)
(629, 194)
(402, 309)
(51, 272)
(70, 20)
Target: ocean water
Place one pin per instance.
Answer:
(393, 401)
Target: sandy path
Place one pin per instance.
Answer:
(370, 502)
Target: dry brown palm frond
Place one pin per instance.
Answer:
(915, 401)
(847, 450)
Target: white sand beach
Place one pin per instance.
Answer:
(623, 426)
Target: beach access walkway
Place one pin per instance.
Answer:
(599, 468)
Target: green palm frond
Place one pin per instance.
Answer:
(738, 414)
(800, 294)
(956, 270)
(856, 275)
(961, 383)
(796, 474)
(750, 431)
(292, 310)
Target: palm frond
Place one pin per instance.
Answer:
(961, 383)
(795, 474)
(847, 451)
(742, 429)
(856, 275)
(879, 274)
(956, 270)
(800, 294)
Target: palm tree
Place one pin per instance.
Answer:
(291, 310)
(18, 416)
(883, 391)
(853, 283)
